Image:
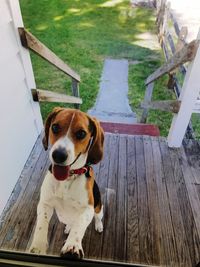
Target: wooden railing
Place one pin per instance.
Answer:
(176, 55)
(29, 41)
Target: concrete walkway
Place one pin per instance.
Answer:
(187, 14)
(112, 101)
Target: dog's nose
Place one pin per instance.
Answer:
(59, 155)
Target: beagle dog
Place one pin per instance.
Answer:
(69, 186)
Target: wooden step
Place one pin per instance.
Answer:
(131, 129)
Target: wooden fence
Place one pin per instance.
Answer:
(29, 41)
(177, 52)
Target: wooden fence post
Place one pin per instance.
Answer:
(147, 98)
(75, 91)
(188, 97)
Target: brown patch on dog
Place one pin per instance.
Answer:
(80, 122)
(96, 150)
(98, 208)
(89, 187)
(63, 119)
(47, 125)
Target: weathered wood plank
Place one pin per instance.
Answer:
(172, 82)
(177, 222)
(160, 14)
(175, 49)
(132, 204)
(171, 42)
(21, 184)
(192, 151)
(164, 105)
(187, 53)
(191, 189)
(193, 240)
(168, 244)
(198, 190)
(30, 41)
(49, 96)
(165, 49)
(175, 23)
(12, 230)
(108, 250)
(147, 98)
(143, 211)
(163, 26)
(182, 38)
(31, 200)
(153, 204)
(75, 92)
(11, 218)
(121, 220)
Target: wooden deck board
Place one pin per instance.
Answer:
(193, 241)
(151, 198)
(109, 234)
(132, 204)
(168, 245)
(145, 248)
(121, 205)
(177, 222)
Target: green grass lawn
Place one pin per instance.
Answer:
(83, 34)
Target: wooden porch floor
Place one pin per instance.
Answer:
(151, 196)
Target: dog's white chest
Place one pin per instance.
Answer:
(69, 198)
(72, 191)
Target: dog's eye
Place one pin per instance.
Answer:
(81, 134)
(55, 128)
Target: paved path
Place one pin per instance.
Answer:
(112, 101)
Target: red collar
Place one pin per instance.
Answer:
(84, 170)
(80, 171)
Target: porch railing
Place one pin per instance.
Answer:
(29, 41)
(176, 55)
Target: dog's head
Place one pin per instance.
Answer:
(76, 139)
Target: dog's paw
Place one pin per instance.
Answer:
(99, 226)
(67, 229)
(72, 250)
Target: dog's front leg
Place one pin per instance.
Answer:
(73, 245)
(40, 244)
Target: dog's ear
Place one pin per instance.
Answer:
(47, 125)
(95, 152)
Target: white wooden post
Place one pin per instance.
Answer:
(188, 97)
(26, 61)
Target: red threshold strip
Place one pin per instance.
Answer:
(131, 129)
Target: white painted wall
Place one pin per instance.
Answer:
(20, 119)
